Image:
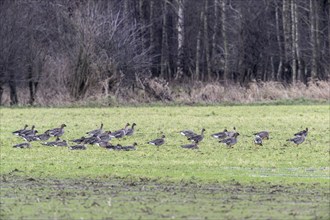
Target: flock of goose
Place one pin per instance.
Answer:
(103, 138)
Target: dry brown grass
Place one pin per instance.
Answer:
(198, 92)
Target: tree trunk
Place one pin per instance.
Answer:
(294, 42)
(180, 37)
(214, 38)
(224, 41)
(164, 51)
(198, 48)
(279, 43)
(313, 41)
(13, 91)
(206, 41)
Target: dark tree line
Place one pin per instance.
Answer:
(79, 45)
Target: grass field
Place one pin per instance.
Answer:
(277, 181)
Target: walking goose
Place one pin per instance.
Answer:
(188, 133)
(130, 131)
(57, 132)
(96, 131)
(302, 133)
(220, 135)
(258, 140)
(191, 146)
(230, 141)
(263, 134)
(297, 139)
(158, 142)
(22, 145)
(18, 132)
(198, 137)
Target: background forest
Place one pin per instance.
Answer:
(58, 51)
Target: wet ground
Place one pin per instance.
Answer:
(30, 198)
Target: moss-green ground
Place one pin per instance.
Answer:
(276, 180)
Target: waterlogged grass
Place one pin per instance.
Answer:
(303, 171)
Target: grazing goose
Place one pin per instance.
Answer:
(230, 141)
(52, 143)
(158, 142)
(258, 140)
(18, 132)
(79, 140)
(22, 145)
(231, 133)
(302, 133)
(220, 135)
(297, 139)
(263, 134)
(120, 133)
(96, 131)
(130, 131)
(42, 137)
(78, 147)
(57, 132)
(191, 146)
(126, 148)
(188, 133)
(198, 137)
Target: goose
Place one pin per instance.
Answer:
(52, 143)
(79, 140)
(188, 133)
(302, 133)
(230, 141)
(103, 144)
(78, 147)
(91, 140)
(130, 131)
(63, 143)
(231, 133)
(220, 135)
(57, 132)
(18, 132)
(96, 131)
(22, 145)
(158, 142)
(29, 138)
(42, 137)
(126, 148)
(191, 146)
(31, 132)
(197, 138)
(258, 140)
(120, 133)
(297, 139)
(263, 134)
(106, 136)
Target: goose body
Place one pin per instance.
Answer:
(263, 134)
(22, 145)
(31, 132)
(106, 136)
(78, 147)
(18, 132)
(188, 133)
(302, 133)
(130, 131)
(52, 143)
(96, 131)
(220, 135)
(79, 140)
(230, 141)
(126, 148)
(197, 138)
(42, 137)
(57, 132)
(158, 142)
(258, 140)
(231, 134)
(120, 133)
(297, 139)
(91, 140)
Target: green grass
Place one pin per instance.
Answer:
(278, 162)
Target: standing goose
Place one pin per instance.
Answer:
(120, 133)
(197, 138)
(31, 132)
(191, 146)
(18, 132)
(188, 133)
(297, 139)
(220, 135)
(130, 131)
(22, 145)
(230, 141)
(258, 140)
(302, 133)
(57, 132)
(158, 142)
(96, 131)
(263, 134)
